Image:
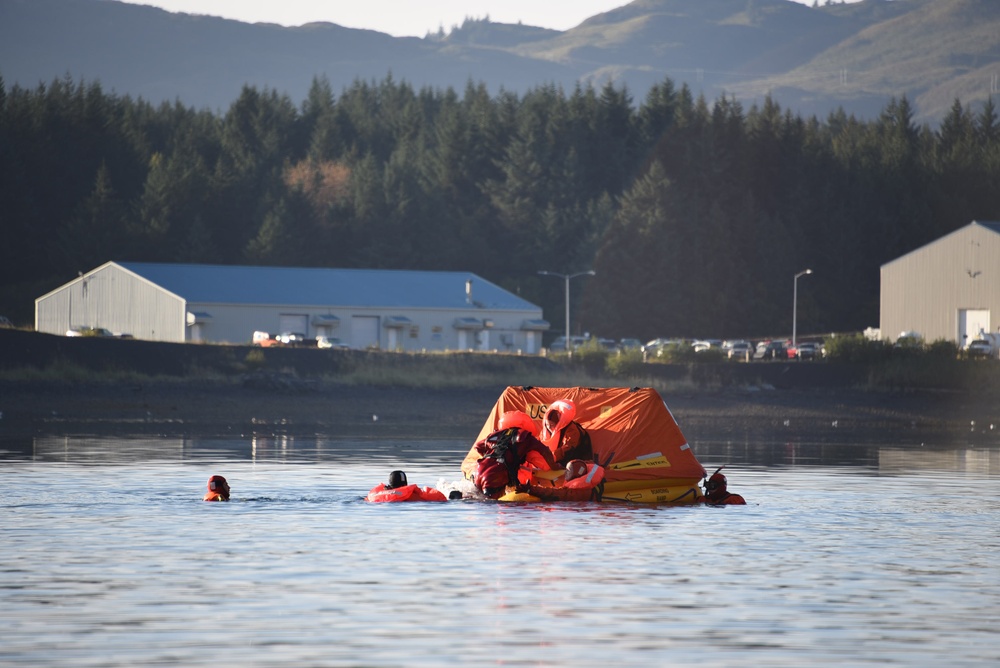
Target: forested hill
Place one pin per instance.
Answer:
(811, 60)
(694, 213)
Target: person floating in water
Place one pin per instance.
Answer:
(504, 452)
(566, 438)
(399, 489)
(717, 494)
(582, 482)
(218, 489)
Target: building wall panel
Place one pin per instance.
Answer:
(116, 300)
(121, 300)
(925, 290)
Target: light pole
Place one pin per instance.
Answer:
(567, 278)
(795, 301)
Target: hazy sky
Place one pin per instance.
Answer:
(399, 17)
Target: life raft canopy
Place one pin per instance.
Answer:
(633, 433)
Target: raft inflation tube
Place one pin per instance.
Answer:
(635, 439)
(518, 497)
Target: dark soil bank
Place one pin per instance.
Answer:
(201, 408)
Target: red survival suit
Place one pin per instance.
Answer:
(520, 452)
(585, 486)
(218, 489)
(566, 438)
(382, 494)
(717, 494)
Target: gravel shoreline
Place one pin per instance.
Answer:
(208, 408)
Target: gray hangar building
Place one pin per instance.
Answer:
(364, 308)
(948, 289)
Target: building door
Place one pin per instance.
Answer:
(289, 322)
(970, 323)
(364, 331)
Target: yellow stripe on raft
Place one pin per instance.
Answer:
(644, 462)
(677, 495)
(624, 485)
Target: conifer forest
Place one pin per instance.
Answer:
(695, 214)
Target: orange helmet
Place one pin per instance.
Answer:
(491, 477)
(518, 419)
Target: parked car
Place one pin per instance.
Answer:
(980, 348)
(296, 340)
(739, 350)
(704, 344)
(911, 340)
(90, 331)
(630, 344)
(770, 350)
(559, 344)
(653, 346)
(331, 342)
(807, 350)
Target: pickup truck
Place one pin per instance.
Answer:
(983, 346)
(265, 340)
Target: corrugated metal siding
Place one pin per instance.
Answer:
(96, 299)
(924, 290)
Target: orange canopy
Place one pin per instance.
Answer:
(634, 435)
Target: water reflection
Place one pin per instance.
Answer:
(93, 450)
(291, 449)
(889, 459)
(968, 460)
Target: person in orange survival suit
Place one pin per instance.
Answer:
(582, 482)
(506, 450)
(566, 438)
(717, 494)
(398, 489)
(218, 489)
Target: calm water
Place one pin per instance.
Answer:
(846, 555)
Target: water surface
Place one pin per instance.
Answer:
(845, 555)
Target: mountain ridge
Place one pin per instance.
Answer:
(811, 60)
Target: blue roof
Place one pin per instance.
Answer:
(988, 224)
(223, 284)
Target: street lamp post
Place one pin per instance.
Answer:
(795, 301)
(567, 278)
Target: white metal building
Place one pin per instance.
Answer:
(389, 310)
(948, 289)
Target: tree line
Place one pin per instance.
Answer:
(694, 214)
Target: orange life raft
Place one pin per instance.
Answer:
(645, 456)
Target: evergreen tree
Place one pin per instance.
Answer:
(98, 231)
